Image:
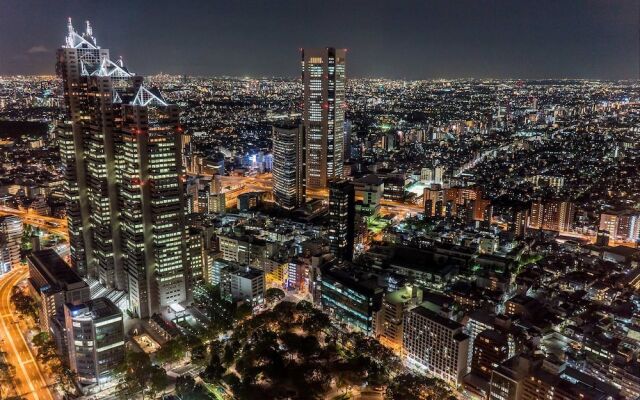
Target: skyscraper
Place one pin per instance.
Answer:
(10, 239)
(342, 214)
(150, 196)
(92, 84)
(435, 344)
(121, 154)
(288, 166)
(79, 52)
(323, 78)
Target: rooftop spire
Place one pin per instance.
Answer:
(89, 31)
(69, 26)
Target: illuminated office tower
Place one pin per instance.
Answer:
(121, 153)
(93, 86)
(288, 166)
(75, 58)
(323, 78)
(342, 211)
(151, 203)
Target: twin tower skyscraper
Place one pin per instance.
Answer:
(121, 155)
(308, 156)
(120, 150)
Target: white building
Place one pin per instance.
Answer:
(435, 345)
(244, 284)
(95, 336)
(10, 239)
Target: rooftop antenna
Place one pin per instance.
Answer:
(69, 25)
(89, 31)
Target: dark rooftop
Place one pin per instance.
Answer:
(51, 265)
(446, 322)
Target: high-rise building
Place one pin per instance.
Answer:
(342, 214)
(95, 337)
(520, 222)
(533, 377)
(370, 189)
(323, 78)
(246, 284)
(390, 321)
(121, 152)
(10, 240)
(622, 226)
(435, 345)
(288, 166)
(93, 89)
(490, 348)
(150, 197)
(79, 55)
(53, 284)
(194, 274)
(552, 215)
(351, 297)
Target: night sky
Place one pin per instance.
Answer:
(397, 38)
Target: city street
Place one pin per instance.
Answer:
(30, 382)
(50, 224)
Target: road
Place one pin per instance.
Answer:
(264, 182)
(57, 226)
(30, 384)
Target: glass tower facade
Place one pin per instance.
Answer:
(323, 78)
(121, 154)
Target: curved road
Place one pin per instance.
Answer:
(31, 383)
(51, 224)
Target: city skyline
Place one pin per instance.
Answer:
(420, 40)
(170, 236)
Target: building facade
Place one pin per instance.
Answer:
(342, 214)
(323, 78)
(435, 345)
(122, 155)
(95, 334)
(10, 241)
(288, 166)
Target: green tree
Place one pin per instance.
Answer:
(7, 375)
(214, 370)
(158, 381)
(24, 303)
(242, 311)
(47, 349)
(171, 351)
(317, 321)
(185, 386)
(140, 376)
(65, 378)
(408, 386)
(274, 295)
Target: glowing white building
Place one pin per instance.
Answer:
(323, 78)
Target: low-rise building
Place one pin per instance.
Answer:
(53, 283)
(243, 284)
(95, 336)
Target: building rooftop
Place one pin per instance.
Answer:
(94, 309)
(440, 320)
(53, 268)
